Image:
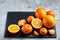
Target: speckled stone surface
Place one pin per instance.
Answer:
(28, 5)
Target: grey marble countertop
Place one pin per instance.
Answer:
(28, 5)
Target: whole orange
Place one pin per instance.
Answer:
(40, 13)
(50, 12)
(26, 28)
(49, 21)
(30, 18)
(43, 31)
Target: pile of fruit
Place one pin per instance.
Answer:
(44, 21)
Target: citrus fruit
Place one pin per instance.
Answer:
(36, 33)
(43, 31)
(27, 29)
(21, 22)
(40, 13)
(30, 18)
(49, 21)
(50, 12)
(36, 23)
(51, 32)
(13, 28)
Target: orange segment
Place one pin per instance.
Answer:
(36, 23)
(51, 31)
(21, 22)
(13, 28)
(36, 33)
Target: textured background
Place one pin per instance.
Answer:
(28, 5)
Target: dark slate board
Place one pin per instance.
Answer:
(13, 17)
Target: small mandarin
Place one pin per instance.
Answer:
(43, 31)
(26, 29)
(50, 12)
(30, 18)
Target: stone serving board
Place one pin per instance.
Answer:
(13, 17)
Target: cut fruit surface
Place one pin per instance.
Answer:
(36, 23)
(13, 28)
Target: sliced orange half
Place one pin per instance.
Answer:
(36, 23)
(13, 28)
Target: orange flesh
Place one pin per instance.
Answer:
(37, 23)
(13, 28)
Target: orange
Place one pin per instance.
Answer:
(40, 13)
(49, 21)
(43, 31)
(36, 33)
(50, 12)
(27, 29)
(21, 22)
(30, 18)
(13, 28)
(36, 23)
(51, 32)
